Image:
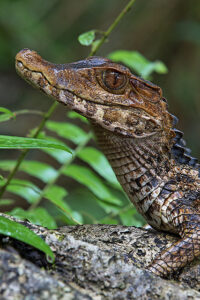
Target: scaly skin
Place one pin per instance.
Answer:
(135, 131)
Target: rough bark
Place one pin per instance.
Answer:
(92, 262)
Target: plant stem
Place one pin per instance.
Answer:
(28, 111)
(24, 152)
(112, 26)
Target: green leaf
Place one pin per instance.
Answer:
(60, 155)
(74, 115)
(6, 202)
(56, 195)
(100, 164)
(23, 188)
(67, 131)
(138, 62)
(160, 67)
(87, 38)
(22, 233)
(35, 168)
(40, 170)
(14, 142)
(6, 114)
(130, 217)
(5, 110)
(156, 66)
(38, 216)
(109, 208)
(88, 178)
(109, 221)
(5, 117)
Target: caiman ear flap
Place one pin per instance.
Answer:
(175, 120)
(146, 89)
(180, 152)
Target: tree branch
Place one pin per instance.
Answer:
(103, 261)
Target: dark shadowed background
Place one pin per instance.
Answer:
(159, 29)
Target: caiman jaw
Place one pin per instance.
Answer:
(80, 87)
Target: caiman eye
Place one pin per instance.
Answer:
(112, 81)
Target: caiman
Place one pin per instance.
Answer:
(137, 134)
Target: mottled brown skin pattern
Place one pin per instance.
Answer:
(135, 131)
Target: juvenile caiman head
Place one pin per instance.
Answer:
(103, 91)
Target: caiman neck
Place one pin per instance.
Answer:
(141, 165)
(151, 151)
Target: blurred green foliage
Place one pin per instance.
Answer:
(87, 38)
(97, 176)
(138, 63)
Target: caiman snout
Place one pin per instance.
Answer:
(29, 59)
(31, 66)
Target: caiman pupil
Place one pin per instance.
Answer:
(113, 81)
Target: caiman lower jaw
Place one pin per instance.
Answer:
(39, 81)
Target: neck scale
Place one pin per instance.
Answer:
(141, 166)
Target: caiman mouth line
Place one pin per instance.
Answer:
(55, 92)
(21, 68)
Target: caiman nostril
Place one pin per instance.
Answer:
(19, 64)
